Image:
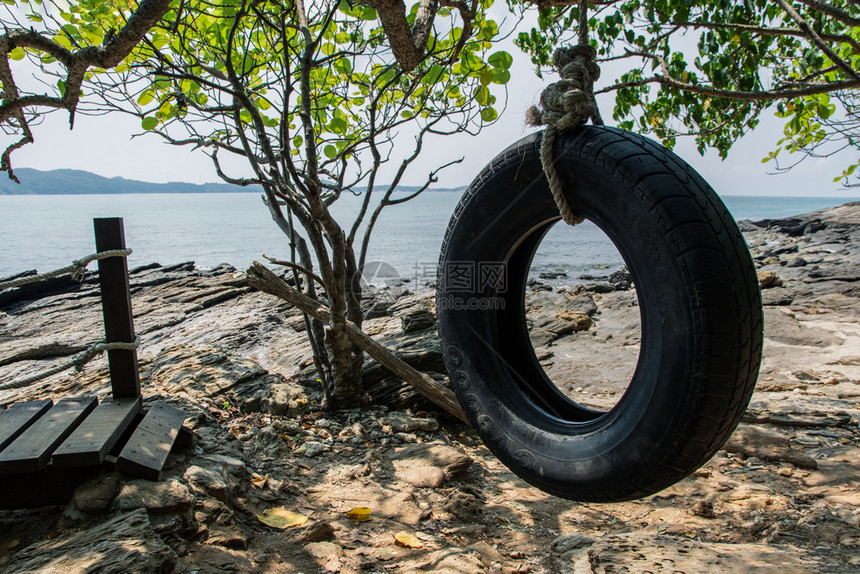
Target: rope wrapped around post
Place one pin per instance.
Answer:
(565, 104)
(76, 269)
(77, 363)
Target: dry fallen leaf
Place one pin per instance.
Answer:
(259, 481)
(281, 518)
(403, 538)
(360, 514)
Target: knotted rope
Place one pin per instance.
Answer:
(78, 362)
(565, 104)
(77, 269)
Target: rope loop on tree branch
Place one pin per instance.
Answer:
(566, 104)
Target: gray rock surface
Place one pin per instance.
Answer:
(167, 497)
(125, 544)
(238, 363)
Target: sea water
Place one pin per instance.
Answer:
(48, 231)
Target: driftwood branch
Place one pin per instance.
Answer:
(260, 277)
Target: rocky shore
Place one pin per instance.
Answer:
(781, 497)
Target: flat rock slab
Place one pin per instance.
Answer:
(122, 545)
(443, 457)
(765, 444)
(158, 497)
(641, 553)
(202, 369)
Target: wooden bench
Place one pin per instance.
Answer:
(47, 449)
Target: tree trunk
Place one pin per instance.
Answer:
(260, 277)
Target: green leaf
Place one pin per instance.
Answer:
(148, 123)
(338, 126)
(482, 96)
(489, 114)
(146, 97)
(501, 60)
(330, 151)
(17, 54)
(501, 76)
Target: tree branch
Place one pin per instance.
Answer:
(765, 31)
(832, 11)
(750, 96)
(114, 51)
(816, 39)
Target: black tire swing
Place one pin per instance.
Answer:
(700, 315)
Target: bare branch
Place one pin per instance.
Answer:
(299, 268)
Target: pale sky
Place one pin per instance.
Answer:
(103, 145)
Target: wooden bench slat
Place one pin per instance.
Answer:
(15, 419)
(32, 449)
(95, 437)
(146, 451)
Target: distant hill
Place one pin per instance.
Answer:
(78, 182)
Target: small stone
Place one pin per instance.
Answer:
(203, 481)
(313, 448)
(418, 320)
(268, 441)
(464, 505)
(326, 554)
(406, 437)
(768, 279)
(770, 261)
(166, 497)
(422, 476)
(401, 422)
(489, 555)
(317, 532)
(353, 430)
(287, 426)
(96, 497)
(703, 508)
(797, 262)
(581, 321)
(286, 399)
(620, 276)
(231, 464)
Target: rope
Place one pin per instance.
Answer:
(78, 362)
(565, 104)
(77, 269)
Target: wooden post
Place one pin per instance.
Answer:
(116, 308)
